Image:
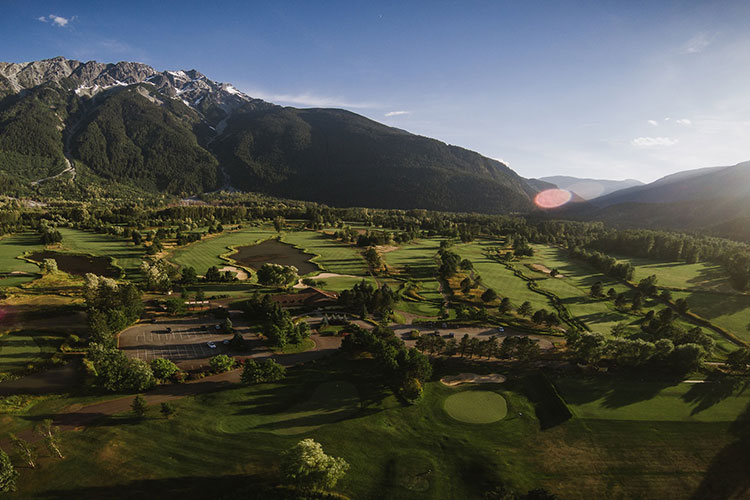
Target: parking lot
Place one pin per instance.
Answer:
(184, 341)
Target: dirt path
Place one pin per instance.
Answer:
(81, 416)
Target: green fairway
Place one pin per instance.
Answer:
(329, 402)
(476, 407)
(125, 254)
(332, 255)
(396, 451)
(20, 350)
(574, 287)
(729, 311)
(12, 246)
(415, 261)
(611, 398)
(497, 276)
(701, 276)
(340, 283)
(205, 253)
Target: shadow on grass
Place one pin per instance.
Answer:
(727, 475)
(182, 488)
(613, 391)
(717, 388)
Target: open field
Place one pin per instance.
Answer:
(205, 253)
(333, 256)
(701, 276)
(421, 452)
(731, 312)
(618, 398)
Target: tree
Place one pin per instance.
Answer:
(412, 390)
(277, 275)
(175, 305)
(621, 300)
(25, 450)
(307, 465)
(252, 373)
(272, 371)
(597, 289)
(49, 434)
(221, 363)
(189, 275)
(278, 224)
(227, 325)
(682, 306)
(505, 306)
(688, 357)
(619, 330)
(526, 309)
(167, 409)
(738, 360)
(637, 301)
(489, 295)
(49, 266)
(540, 316)
(139, 406)
(163, 368)
(8, 473)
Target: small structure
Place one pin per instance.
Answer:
(308, 297)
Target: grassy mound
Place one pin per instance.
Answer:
(476, 407)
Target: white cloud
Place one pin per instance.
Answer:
(647, 142)
(654, 123)
(310, 100)
(56, 20)
(696, 44)
(397, 113)
(684, 121)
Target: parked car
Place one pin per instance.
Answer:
(218, 327)
(500, 329)
(225, 341)
(204, 327)
(169, 330)
(211, 345)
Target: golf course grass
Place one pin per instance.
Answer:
(476, 407)
(19, 350)
(329, 402)
(205, 253)
(333, 256)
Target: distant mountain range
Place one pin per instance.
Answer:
(588, 189)
(83, 124)
(713, 200)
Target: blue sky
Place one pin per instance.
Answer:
(598, 89)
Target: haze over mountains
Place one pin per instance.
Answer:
(182, 133)
(714, 200)
(588, 189)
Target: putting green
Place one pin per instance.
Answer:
(476, 407)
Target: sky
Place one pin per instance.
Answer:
(603, 89)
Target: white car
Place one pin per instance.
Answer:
(211, 345)
(500, 329)
(225, 341)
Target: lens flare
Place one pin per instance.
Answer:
(552, 198)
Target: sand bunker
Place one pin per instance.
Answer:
(241, 273)
(544, 269)
(323, 276)
(472, 378)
